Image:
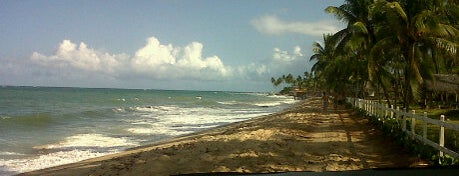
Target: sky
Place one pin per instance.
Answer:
(228, 45)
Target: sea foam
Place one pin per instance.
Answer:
(15, 166)
(92, 140)
(72, 149)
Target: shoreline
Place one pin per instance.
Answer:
(302, 137)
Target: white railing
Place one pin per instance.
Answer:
(382, 112)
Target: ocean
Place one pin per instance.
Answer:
(42, 127)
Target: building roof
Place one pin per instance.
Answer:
(448, 83)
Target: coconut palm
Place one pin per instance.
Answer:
(358, 32)
(409, 26)
(335, 70)
(323, 56)
(356, 40)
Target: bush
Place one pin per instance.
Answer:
(392, 128)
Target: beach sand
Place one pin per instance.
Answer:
(302, 138)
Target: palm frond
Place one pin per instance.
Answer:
(339, 13)
(359, 27)
(448, 46)
(396, 7)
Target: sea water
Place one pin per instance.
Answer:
(42, 127)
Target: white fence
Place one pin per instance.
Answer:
(382, 112)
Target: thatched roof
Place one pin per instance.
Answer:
(443, 83)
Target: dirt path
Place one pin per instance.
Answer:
(303, 138)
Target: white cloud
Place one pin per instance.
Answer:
(272, 25)
(154, 60)
(281, 62)
(253, 71)
(297, 51)
(154, 54)
(285, 56)
(166, 61)
(68, 55)
(80, 65)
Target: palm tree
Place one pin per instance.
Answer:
(299, 82)
(411, 25)
(393, 44)
(358, 30)
(273, 81)
(323, 55)
(356, 40)
(289, 79)
(308, 80)
(334, 70)
(278, 81)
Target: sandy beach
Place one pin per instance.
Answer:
(302, 138)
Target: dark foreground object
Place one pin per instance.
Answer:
(431, 171)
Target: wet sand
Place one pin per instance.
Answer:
(302, 138)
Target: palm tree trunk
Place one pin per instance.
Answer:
(386, 94)
(408, 74)
(407, 91)
(434, 59)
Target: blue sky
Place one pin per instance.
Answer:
(235, 45)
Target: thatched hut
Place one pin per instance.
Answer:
(444, 85)
(299, 94)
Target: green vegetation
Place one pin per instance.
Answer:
(392, 128)
(388, 47)
(304, 83)
(388, 51)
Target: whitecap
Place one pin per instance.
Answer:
(6, 153)
(228, 102)
(90, 140)
(15, 166)
(267, 104)
(4, 117)
(158, 131)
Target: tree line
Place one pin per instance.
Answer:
(389, 46)
(289, 82)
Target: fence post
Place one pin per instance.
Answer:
(370, 108)
(367, 103)
(375, 109)
(381, 111)
(397, 115)
(373, 104)
(404, 120)
(365, 106)
(392, 111)
(413, 123)
(424, 128)
(385, 110)
(442, 135)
